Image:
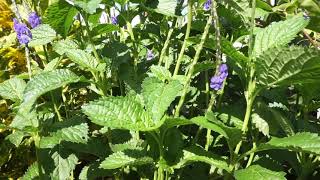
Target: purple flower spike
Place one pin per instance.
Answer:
(217, 81)
(23, 32)
(207, 5)
(114, 20)
(150, 55)
(34, 20)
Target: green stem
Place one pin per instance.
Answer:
(56, 109)
(166, 43)
(36, 139)
(135, 48)
(28, 62)
(251, 156)
(184, 45)
(194, 62)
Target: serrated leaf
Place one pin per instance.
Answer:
(47, 81)
(257, 172)
(12, 89)
(131, 144)
(88, 6)
(76, 133)
(37, 86)
(59, 16)
(288, 65)
(173, 122)
(32, 172)
(197, 154)
(119, 112)
(64, 163)
(84, 59)
(305, 142)
(16, 137)
(92, 171)
(232, 134)
(159, 95)
(260, 124)
(278, 34)
(64, 46)
(104, 29)
(42, 35)
(125, 158)
(160, 73)
(165, 7)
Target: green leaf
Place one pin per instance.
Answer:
(158, 96)
(40, 84)
(47, 81)
(257, 172)
(173, 145)
(104, 29)
(84, 59)
(232, 134)
(305, 142)
(288, 65)
(16, 137)
(64, 46)
(260, 124)
(42, 35)
(12, 89)
(88, 6)
(131, 144)
(119, 112)
(173, 122)
(165, 7)
(92, 171)
(160, 72)
(32, 172)
(197, 154)
(77, 133)
(125, 158)
(59, 16)
(64, 164)
(278, 34)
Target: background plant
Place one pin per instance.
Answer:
(166, 89)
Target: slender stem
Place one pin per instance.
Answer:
(135, 48)
(194, 62)
(217, 32)
(56, 109)
(166, 43)
(28, 61)
(251, 156)
(16, 10)
(184, 45)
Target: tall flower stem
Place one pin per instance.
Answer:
(184, 45)
(194, 62)
(135, 48)
(251, 90)
(166, 43)
(27, 53)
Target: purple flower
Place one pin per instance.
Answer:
(216, 81)
(23, 32)
(114, 20)
(34, 20)
(207, 5)
(150, 55)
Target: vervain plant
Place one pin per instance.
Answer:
(163, 89)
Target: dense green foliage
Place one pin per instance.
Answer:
(162, 89)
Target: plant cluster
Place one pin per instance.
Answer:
(160, 89)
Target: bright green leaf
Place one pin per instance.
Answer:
(159, 95)
(88, 6)
(64, 163)
(257, 172)
(42, 35)
(260, 124)
(126, 158)
(278, 34)
(84, 59)
(12, 89)
(288, 65)
(119, 112)
(32, 172)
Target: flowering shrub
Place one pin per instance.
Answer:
(164, 89)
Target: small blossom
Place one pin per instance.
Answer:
(23, 32)
(216, 82)
(114, 20)
(150, 55)
(207, 5)
(34, 20)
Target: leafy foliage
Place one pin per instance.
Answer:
(258, 172)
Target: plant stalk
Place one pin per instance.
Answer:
(166, 43)
(184, 45)
(194, 62)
